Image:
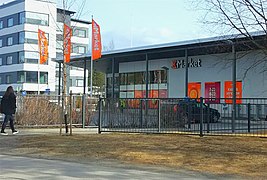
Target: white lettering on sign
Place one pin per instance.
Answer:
(177, 64)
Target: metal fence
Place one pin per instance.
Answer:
(46, 110)
(186, 116)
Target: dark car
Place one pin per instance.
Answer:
(192, 110)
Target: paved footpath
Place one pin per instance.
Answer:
(14, 167)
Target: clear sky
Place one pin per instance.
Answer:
(131, 23)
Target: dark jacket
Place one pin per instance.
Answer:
(8, 104)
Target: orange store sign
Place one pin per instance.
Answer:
(194, 90)
(228, 92)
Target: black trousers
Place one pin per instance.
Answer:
(9, 118)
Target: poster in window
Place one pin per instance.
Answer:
(154, 102)
(228, 92)
(194, 90)
(137, 95)
(163, 93)
(212, 92)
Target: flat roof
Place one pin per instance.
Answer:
(81, 21)
(219, 44)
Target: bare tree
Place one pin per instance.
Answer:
(65, 18)
(235, 16)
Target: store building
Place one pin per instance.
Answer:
(213, 64)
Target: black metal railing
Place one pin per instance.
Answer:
(188, 116)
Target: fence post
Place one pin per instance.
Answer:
(159, 113)
(201, 117)
(71, 95)
(83, 109)
(208, 120)
(141, 113)
(99, 115)
(249, 117)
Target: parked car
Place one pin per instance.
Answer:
(192, 110)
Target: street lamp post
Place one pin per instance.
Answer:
(234, 86)
(186, 73)
(233, 83)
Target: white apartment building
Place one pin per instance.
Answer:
(19, 56)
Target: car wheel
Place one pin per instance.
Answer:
(215, 118)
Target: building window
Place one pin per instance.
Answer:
(30, 57)
(130, 79)
(123, 79)
(1, 24)
(59, 45)
(1, 61)
(81, 49)
(80, 33)
(0, 80)
(22, 18)
(9, 60)
(139, 78)
(43, 77)
(10, 22)
(21, 57)
(21, 77)
(60, 27)
(29, 37)
(8, 78)
(31, 77)
(158, 76)
(36, 18)
(79, 82)
(10, 41)
(21, 37)
(1, 43)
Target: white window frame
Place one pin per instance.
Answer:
(1, 42)
(1, 61)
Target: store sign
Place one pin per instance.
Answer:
(228, 92)
(177, 64)
(212, 92)
(194, 90)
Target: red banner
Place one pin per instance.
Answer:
(67, 43)
(212, 92)
(228, 92)
(96, 41)
(43, 46)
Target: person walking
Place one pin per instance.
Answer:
(8, 105)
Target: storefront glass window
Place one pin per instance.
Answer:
(130, 78)
(123, 79)
(139, 78)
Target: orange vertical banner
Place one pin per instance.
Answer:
(43, 46)
(96, 41)
(67, 43)
(228, 92)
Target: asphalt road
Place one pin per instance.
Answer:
(14, 167)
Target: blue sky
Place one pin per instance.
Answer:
(132, 23)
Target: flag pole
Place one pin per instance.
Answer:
(91, 76)
(38, 75)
